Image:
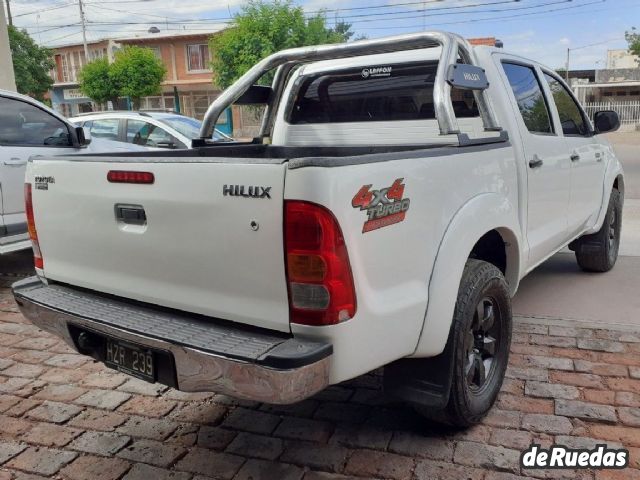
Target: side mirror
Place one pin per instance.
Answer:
(255, 95)
(83, 135)
(606, 121)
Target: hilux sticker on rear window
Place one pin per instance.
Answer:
(384, 207)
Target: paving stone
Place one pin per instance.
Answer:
(263, 470)
(8, 401)
(62, 375)
(22, 407)
(140, 471)
(186, 435)
(43, 461)
(517, 439)
(103, 379)
(607, 369)
(199, 412)
(552, 341)
(525, 404)
(587, 411)
(546, 423)
(342, 412)
(551, 390)
(487, 456)
(95, 468)
(103, 399)
(98, 420)
(252, 421)
(151, 428)
(600, 345)
(51, 435)
(31, 356)
(311, 475)
(578, 379)
(68, 360)
(379, 464)
(629, 416)
(154, 453)
(304, 429)
(361, 436)
(5, 363)
(23, 370)
(205, 462)
(13, 428)
(37, 343)
(314, 455)
(256, 446)
(503, 418)
(100, 443)
(624, 384)
(583, 442)
(599, 396)
(60, 393)
(140, 387)
(538, 374)
(430, 470)
(215, 438)
(54, 412)
(634, 372)
(628, 436)
(305, 408)
(12, 385)
(418, 445)
(8, 450)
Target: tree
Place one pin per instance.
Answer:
(633, 39)
(264, 27)
(97, 83)
(31, 64)
(137, 72)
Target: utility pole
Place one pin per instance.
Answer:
(7, 80)
(566, 73)
(84, 32)
(9, 18)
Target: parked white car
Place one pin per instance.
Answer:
(151, 129)
(29, 128)
(384, 217)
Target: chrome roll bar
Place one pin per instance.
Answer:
(452, 46)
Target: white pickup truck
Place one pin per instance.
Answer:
(398, 192)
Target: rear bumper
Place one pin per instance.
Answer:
(206, 354)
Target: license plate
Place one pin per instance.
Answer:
(130, 359)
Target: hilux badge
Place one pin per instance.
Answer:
(247, 192)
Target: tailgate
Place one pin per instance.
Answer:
(199, 250)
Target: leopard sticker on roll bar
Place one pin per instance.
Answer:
(453, 46)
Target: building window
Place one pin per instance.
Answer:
(156, 51)
(65, 68)
(621, 94)
(634, 93)
(607, 94)
(198, 58)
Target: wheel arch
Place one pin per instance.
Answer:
(483, 220)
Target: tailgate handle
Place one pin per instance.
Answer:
(131, 214)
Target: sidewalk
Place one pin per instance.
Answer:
(63, 416)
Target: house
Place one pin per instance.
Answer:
(187, 87)
(618, 82)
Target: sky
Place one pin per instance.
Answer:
(539, 29)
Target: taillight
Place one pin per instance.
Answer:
(127, 176)
(321, 290)
(31, 225)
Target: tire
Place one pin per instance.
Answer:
(480, 346)
(598, 252)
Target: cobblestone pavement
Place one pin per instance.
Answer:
(64, 416)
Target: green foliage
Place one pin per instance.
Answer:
(265, 27)
(97, 83)
(135, 72)
(31, 64)
(633, 39)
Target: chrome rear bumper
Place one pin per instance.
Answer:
(208, 354)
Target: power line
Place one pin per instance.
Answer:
(53, 7)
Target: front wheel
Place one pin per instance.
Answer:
(481, 335)
(598, 252)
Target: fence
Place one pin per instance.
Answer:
(629, 112)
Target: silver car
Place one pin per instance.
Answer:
(150, 129)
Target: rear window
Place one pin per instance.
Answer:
(374, 94)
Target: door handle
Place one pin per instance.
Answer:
(598, 157)
(15, 162)
(535, 162)
(575, 157)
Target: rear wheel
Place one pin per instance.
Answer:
(598, 252)
(481, 335)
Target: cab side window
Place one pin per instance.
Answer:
(24, 124)
(146, 134)
(105, 128)
(530, 98)
(571, 117)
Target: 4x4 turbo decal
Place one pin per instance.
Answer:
(384, 207)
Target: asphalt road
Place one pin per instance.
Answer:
(559, 289)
